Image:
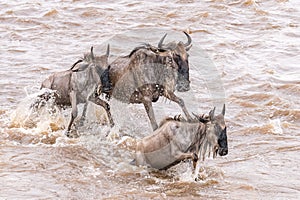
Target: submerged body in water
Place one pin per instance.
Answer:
(176, 141)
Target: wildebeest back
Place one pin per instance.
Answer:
(142, 68)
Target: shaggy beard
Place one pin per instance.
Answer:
(206, 149)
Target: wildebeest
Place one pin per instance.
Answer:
(175, 141)
(77, 85)
(149, 72)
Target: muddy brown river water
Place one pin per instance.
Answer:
(245, 53)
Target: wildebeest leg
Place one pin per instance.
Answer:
(184, 156)
(83, 114)
(179, 101)
(74, 110)
(140, 159)
(149, 109)
(105, 105)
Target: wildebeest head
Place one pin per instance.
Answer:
(180, 56)
(102, 60)
(216, 132)
(99, 62)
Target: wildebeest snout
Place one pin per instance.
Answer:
(223, 151)
(222, 141)
(183, 84)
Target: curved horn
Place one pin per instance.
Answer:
(161, 41)
(92, 53)
(223, 110)
(107, 50)
(189, 42)
(78, 61)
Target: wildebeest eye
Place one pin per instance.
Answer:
(176, 57)
(219, 129)
(222, 134)
(224, 130)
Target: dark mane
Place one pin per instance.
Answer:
(146, 46)
(178, 118)
(202, 118)
(198, 118)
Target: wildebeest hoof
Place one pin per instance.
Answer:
(67, 133)
(133, 162)
(81, 122)
(112, 125)
(72, 134)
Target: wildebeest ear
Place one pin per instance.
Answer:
(212, 114)
(223, 110)
(92, 53)
(107, 50)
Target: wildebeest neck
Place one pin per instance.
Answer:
(199, 137)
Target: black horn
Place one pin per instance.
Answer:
(188, 45)
(107, 50)
(160, 44)
(78, 61)
(92, 53)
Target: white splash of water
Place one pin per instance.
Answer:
(197, 169)
(276, 126)
(187, 174)
(45, 118)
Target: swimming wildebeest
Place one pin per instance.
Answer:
(175, 141)
(149, 72)
(77, 85)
